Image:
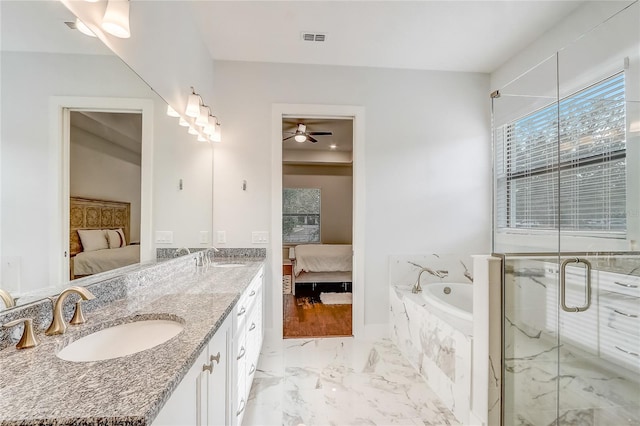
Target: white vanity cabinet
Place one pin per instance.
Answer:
(201, 398)
(247, 342)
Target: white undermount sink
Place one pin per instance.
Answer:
(227, 265)
(120, 340)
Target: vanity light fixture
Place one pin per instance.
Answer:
(172, 112)
(201, 138)
(203, 117)
(193, 131)
(217, 135)
(116, 18)
(80, 26)
(184, 123)
(193, 104)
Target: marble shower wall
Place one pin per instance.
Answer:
(554, 359)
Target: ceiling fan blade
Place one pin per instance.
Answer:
(320, 133)
(311, 139)
(293, 136)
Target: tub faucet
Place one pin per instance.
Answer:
(439, 273)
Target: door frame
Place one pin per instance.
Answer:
(60, 107)
(357, 114)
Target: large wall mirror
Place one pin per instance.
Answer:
(86, 145)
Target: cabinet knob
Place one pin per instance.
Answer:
(208, 367)
(243, 310)
(241, 354)
(253, 293)
(241, 409)
(253, 326)
(215, 358)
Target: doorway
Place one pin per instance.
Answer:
(275, 252)
(105, 162)
(317, 226)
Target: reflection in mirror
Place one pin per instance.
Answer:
(49, 76)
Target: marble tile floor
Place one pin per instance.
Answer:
(340, 381)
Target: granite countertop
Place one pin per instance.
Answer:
(37, 387)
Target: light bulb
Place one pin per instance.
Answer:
(172, 112)
(116, 18)
(184, 123)
(80, 26)
(193, 106)
(300, 138)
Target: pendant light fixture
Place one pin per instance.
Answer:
(116, 18)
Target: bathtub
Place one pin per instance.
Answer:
(455, 299)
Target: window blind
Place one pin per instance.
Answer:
(579, 141)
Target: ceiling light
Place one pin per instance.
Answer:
(116, 18)
(184, 123)
(80, 26)
(333, 146)
(172, 112)
(300, 138)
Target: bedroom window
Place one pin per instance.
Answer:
(301, 215)
(591, 166)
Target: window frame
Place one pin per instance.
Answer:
(319, 216)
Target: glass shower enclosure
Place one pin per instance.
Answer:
(566, 140)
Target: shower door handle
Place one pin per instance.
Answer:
(563, 284)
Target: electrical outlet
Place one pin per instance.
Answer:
(204, 237)
(164, 237)
(221, 237)
(260, 237)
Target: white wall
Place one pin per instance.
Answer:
(30, 180)
(95, 174)
(336, 204)
(428, 161)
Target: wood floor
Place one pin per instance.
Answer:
(305, 317)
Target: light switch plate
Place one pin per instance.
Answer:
(221, 237)
(260, 237)
(204, 237)
(164, 237)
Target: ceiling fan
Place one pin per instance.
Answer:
(301, 134)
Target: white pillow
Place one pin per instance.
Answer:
(93, 239)
(116, 238)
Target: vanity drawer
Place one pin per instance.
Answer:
(619, 283)
(619, 347)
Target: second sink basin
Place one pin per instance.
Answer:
(120, 340)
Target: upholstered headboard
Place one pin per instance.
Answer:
(96, 214)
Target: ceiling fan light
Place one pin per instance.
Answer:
(116, 18)
(193, 106)
(300, 138)
(172, 112)
(80, 26)
(203, 117)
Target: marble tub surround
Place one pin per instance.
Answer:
(37, 387)
(340, 381)
(404, 269)
(439, 351)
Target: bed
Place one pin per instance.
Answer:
(104, 227)
(322, 265)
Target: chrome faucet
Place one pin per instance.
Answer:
(58, 326)
(439, 273)
(7, 299)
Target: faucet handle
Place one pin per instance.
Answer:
(78, 316)
(28, 339)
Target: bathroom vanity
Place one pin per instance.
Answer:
(201, 376)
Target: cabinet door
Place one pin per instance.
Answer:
(185, 407)
(218, 390)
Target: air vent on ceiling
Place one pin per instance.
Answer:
(307, 36)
